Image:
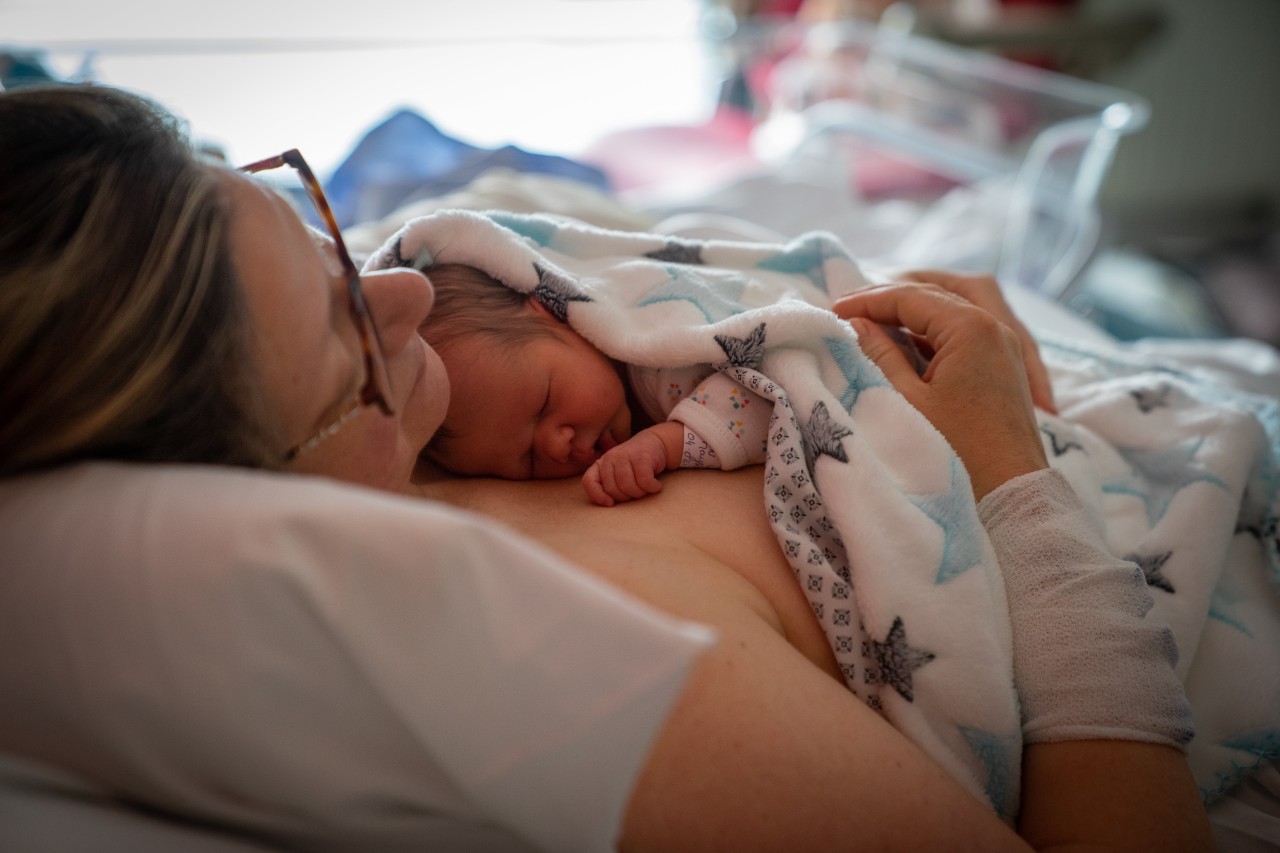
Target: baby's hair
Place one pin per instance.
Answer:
(471, 302)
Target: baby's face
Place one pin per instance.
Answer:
(540, 410)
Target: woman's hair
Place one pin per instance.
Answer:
(470, 302)
(123, 333)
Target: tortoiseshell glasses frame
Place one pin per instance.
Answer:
(377, 383)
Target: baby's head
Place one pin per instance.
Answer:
(529, 398)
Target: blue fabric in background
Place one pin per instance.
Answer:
(406, 158)
(20, 68)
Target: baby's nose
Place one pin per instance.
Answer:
(558, 443)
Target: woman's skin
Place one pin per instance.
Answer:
(309, 349)
(766, 749)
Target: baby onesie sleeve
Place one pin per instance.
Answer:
(659, 389)
(725, 425)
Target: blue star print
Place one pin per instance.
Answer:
(715, 303)
(1060, 447)
(954, 512)
(998, 755)
(858, 371)
(1160, 474)
(1262, 744)
(1220, 607)
(537, 228)
(807, 257)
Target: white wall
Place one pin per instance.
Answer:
(1213, 145)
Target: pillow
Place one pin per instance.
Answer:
(321, 665)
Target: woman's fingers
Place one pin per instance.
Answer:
(887, 353)
(926, 311)
(974, 391)
(984, 292)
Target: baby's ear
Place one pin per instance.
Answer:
(541, 310)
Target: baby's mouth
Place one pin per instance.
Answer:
(605, 442)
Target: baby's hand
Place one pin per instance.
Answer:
(628, 471)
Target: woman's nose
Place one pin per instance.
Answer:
(399, 301)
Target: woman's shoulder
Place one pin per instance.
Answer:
(317, 628)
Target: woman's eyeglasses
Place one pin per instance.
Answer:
(377, 383)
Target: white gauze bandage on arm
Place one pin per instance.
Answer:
(1088, 665)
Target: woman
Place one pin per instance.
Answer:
(209, 327)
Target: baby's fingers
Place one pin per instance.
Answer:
(591, 483)
(645, 477)
(620, 480)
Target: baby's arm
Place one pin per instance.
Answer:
(631, 469)
(719, 425)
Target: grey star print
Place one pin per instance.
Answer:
(1150, 399)
(556, 291)
(895, 660)
(1152, 567)
(390, 257)
(678, 252)
(1060, 446)
(743, 352)
(821, 436)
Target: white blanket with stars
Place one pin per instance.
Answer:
(874, 511)
(1182, 473)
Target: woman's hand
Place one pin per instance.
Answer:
(976, 390)
(984, 292)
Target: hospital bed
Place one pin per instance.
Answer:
(914, 154)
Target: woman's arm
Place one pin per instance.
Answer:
(766, 752)
(766, 749)
(1119, 794)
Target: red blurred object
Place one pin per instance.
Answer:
(696, 155)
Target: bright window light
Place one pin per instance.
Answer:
(256, 76)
